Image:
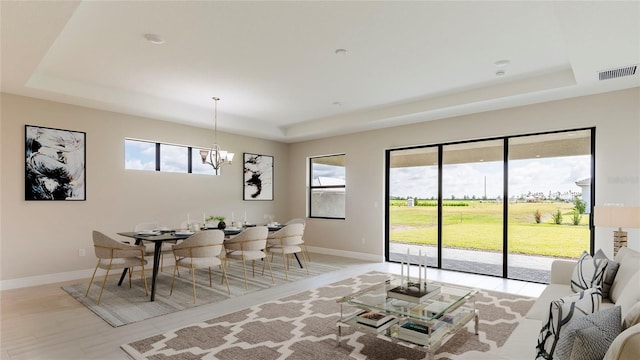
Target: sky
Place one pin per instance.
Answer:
(532, 175)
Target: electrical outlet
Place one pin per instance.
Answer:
(82, 252)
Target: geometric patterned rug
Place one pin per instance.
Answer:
(121, 305)
(303, 326)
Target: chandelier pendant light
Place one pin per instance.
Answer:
(216, 157)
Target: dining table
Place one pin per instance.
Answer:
(160, 236)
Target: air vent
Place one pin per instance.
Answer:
(619, 72)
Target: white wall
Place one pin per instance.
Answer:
(616, 117)
(40, 239)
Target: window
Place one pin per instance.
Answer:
(154, 156)
(174, 158)
(139, 155)
(327, 187)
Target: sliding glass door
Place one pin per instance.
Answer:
(413, 207)
(504, 207)
(472, 207)
(550, 201)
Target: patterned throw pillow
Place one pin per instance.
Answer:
(609, 274)
(588, 273)
(589, 337)
(561, 313)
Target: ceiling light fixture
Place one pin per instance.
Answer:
(341, 52)
(216, 157)
(154, 38)
(502, 63)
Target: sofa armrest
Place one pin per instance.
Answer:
(561, 271)
(626, 346)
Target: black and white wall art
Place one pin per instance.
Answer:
(55, 164)
(258, 177)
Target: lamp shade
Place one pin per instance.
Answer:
(617, 216)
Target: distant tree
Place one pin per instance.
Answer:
(579, 204)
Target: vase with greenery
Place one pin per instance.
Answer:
(220, 219)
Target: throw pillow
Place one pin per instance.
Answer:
(561, 313)
(589, 337)
(588, 273)
(632, 318)
(630, 296)
(609, 274)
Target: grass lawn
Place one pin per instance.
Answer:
(479, 226)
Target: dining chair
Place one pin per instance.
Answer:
(287, 241)
(113, 254)
(249, 245)
(200, 250)
(303, 245)
(149, 245)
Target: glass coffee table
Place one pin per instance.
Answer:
(428, 320)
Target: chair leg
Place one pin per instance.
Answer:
(91, 281)
(224, 277)
(266, 258)
(173, 279)
(102, 288)
(244, 269)
(210, 284)
(306, 263)
(285, 264)
(144, 280)
(130, 274)
(193, 281)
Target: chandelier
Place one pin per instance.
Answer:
(216, 157)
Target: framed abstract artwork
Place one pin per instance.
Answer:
(54, 164)
(258, 177)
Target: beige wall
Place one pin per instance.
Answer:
(616, 117)
(40, 238)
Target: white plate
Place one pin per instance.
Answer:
(147, 232)
(184, 232)
(232, 228)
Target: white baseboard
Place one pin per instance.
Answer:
(45, 279)
(347, 254)
(86, 273)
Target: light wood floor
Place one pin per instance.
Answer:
(44, 322)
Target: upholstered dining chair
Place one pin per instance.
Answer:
(200, 250)
(287, 241)
(249, 245)
(303, 245)
(113, 254)
(149, 246)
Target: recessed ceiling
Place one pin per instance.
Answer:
(276, 67)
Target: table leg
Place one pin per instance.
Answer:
(477, 318)
(156, 265)
(124, 272)
(299, 263)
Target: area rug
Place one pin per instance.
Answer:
(303, 326)
(121, 305)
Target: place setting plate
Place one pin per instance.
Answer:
(148, 232)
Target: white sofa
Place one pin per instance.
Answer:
(625, 292)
